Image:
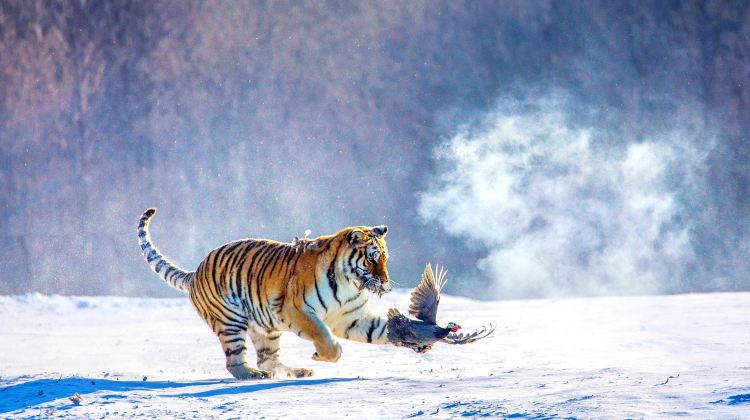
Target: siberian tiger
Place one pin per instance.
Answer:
(317, 288)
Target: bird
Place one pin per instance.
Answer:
(421, 334)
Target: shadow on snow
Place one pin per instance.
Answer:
(259, 386)
(734, 400)
(41, 391)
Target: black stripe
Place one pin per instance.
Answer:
(233, 284)
(275, 306)
(233, 258)
(355, 309)
(212, 263)
(261, 277)
(276, 256)
(267, 311)
(352, 257)
(382, 330)
(279, 255)
(251, 280)
(272, 253)
(218, 256)
(222, 307)
(320, 298)
(292, 265)
(229, 331)
(304, 298)
(286, 252)
(200, 266)
(235, 352)
(232, 324)
(332, 281)
(250, 310)
(265, 353)
(240, 280)
(291, 255)
(263, 262)
(198, 302)
(353, 298)
(222, 258)
(352, 325)
(203, 293)
(370, 331)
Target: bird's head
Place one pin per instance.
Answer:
(453, 326)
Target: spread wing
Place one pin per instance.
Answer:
(426, 297)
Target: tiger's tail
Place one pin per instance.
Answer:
(172, 274)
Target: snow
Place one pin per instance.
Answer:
(587, 357)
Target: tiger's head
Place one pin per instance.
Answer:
(366, 262)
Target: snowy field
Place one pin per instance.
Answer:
(664, 356)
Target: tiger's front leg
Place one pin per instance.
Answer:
(365, 328)
(312, 328)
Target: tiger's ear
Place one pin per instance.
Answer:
(356, 237)
(381, 230)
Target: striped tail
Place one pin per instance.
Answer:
(175, 276)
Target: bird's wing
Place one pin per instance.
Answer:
(426, 297)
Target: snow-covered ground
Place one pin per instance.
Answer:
(595, 357)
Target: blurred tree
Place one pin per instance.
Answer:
(243, 118)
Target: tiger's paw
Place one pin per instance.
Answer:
(328, 354)
(246, 373)
(281, 371)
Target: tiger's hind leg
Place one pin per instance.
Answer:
(229, 323)
(235, 349)
(267, 347)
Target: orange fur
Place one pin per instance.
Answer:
(258, 288)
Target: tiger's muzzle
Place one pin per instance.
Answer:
(372, 283)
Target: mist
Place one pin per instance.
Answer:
(560, 210)
(545, 148)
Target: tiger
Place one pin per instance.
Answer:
(317, 288)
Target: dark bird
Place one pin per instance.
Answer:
(419, 335)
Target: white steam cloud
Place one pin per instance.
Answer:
(560, 210)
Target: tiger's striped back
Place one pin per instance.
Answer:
(243, 282)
